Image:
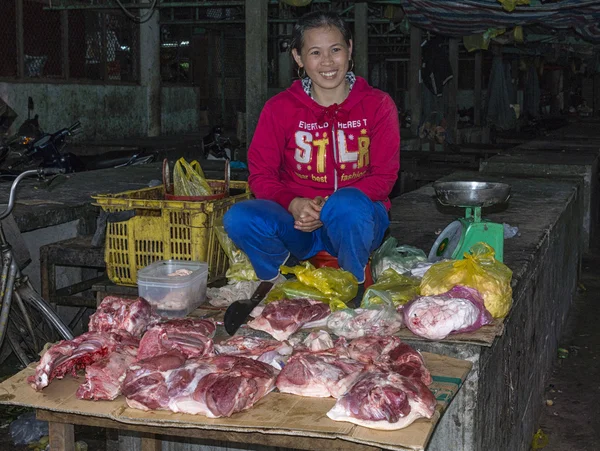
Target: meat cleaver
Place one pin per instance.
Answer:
(238, 312)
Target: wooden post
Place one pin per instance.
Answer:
(453, 88)
(414, 86)
(477, 91)
(361, 39)
(64, 42)
(256, 64)
(61, 436)
(20, 40)
(150, 71)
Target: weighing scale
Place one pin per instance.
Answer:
(458, 237)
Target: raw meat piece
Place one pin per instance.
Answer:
(391, 353)
(282, 318)
(189, 336)
(384, 400)
(318, 341)
(355, 323)
(145, 384)
(114, 313)
(235, 384)
(318, 374)
(273, 352)
(435, 317)
(68, 356)
(216, 386)
(103, 379)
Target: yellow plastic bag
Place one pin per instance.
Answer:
(189, 182)
(329, 285)
(399, 288)
(479, 270)
(240, 267)
(510, 5)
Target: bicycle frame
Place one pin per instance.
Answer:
(12, 283)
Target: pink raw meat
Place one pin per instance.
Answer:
(145, 384)
(282, 318)
(68, 356)
(189, 336)
(384, 400)
(216, 386)
(114, 313)
(435, 317)
(318, 374)
(103, 379)
(273, 352)
(236, 384)
(392, 353)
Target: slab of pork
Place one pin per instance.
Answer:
(192, 337)
(390, 352)
(280, 319)
(384, 400)
(115, 313)
(103, 379)
(318, 373)
(215, 386)
(273, 352)
(68, 356)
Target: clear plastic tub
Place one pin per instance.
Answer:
(172, 294)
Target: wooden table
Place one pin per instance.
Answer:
(62, 437)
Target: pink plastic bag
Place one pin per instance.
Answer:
(457, 311)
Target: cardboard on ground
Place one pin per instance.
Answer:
(277, 413)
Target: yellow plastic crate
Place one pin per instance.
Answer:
(164, 229)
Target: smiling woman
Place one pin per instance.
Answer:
(323, 160)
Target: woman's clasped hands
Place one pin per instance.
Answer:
(307, 213)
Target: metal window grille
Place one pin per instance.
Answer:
(8, 38)
(42, 42)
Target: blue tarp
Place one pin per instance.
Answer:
(462, 18)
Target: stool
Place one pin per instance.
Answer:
(324, 258)
(74, 252)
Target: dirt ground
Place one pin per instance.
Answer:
(571, 406)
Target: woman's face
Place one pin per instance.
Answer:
(325, 56)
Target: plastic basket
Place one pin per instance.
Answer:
(164, 230)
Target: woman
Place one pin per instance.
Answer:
(323, 160)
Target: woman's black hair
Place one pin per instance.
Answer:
(318, 19)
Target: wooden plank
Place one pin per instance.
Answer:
(361, 41)
(20, 40)
(477, 91)
(62, 436)
(283, 441)
(64, 43)
(414, 85)
(453, 87)
(150, 442)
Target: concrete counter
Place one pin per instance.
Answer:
(498, 407)
(582, 164)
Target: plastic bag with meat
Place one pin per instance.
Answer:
(435, 317)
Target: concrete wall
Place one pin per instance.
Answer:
(106, 112)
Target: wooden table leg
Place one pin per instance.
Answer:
(151, 442)
(62, 436)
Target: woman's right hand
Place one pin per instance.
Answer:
(306, 213)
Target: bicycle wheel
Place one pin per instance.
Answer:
(32, 324)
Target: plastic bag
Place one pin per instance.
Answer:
(27, 429)
(399, 288)
(189, 182)
(400, 258)
(479, 270)
(240, 267)
(332, 286)
(371, 319)
(457, 311)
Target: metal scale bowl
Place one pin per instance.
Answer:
(458, 237)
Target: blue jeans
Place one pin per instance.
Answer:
(353, 227)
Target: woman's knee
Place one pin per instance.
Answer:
(249, 216)
(348, 204)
